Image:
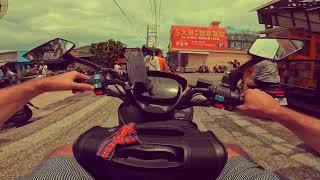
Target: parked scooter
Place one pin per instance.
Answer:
(21, 117)
(265, 48)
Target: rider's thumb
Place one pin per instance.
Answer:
(242, 108)
(83, 87)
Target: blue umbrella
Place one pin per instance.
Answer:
(21, 58)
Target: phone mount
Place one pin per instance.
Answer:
(137, 71)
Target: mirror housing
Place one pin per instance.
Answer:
(275, 49)
(52, 50)
(161, 105)
(161, 100)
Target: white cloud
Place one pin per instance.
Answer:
(29, 23)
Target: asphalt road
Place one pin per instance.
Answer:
(60, 123)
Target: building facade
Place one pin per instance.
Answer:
(214, 46)
(240, 39)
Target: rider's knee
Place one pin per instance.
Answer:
(62, 151)
(235, 151)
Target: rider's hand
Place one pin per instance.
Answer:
(64, 82)
(258, 103)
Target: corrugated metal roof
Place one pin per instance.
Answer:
(265, 5)
(83, 49)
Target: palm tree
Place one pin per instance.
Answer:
(3, 7)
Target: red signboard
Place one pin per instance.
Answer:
(198, 38)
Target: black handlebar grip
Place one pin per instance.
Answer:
(89, 81)
(236, 99)
(241, 100)
(83, 81)
(232, 98)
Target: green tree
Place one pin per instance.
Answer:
(106, 53)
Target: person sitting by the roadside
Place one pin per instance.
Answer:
(265, 74)
(10, 75)
(62, 165)
(40, 70)
(215, 69)
(230, 65)
(2, 74)
(236, 64)
(43, 70)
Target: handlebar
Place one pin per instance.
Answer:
(218, 97)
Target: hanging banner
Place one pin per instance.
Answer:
(198, 38)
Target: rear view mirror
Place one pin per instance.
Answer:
(275, 49)
(51, 50)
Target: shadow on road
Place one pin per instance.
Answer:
(308, 149)
(9, 126)
(3, 141)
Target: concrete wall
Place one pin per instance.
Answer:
(216, 58)
(195, 60)
(222, 59)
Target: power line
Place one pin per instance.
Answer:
(133, 26)
(155, 12)
(159, 10)
(160, 5)
(152, 15)
(153, 30)
(123, 13)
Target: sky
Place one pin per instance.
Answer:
(33, 22)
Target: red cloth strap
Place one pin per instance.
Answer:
(125, 136)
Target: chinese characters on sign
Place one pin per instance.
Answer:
(206, 38)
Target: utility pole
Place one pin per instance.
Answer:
(152, 36)
(3, 7)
